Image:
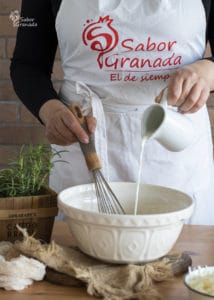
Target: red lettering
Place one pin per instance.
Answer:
(124, 60)
(117, 61)
(165, 77)
(177, 60)
(111, 62)
(168, 61)
(140, 47)
(130, 77)
(115, 77)
(124, 45)
(134, 63)
(154, 77)
(157, 62)
(144, 62)
(170, 44)
(150, 46)
(161, 46)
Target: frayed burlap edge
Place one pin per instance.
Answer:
(111, 282)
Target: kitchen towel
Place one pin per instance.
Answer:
(18, 271)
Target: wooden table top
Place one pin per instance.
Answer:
(198, 240)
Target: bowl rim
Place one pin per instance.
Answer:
(131, 217)
(194, 290)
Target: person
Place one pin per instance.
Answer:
(117, 57)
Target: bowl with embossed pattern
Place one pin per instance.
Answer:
(130, 238)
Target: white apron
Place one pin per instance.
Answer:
(117, 55)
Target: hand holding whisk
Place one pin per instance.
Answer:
(106, 199)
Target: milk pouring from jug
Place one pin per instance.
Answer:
(170, 128)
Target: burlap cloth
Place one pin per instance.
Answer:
(111, 282)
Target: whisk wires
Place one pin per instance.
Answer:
(106, 199)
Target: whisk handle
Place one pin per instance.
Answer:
(76, 110)
(89, 150)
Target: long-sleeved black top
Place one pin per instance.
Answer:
(32, 62)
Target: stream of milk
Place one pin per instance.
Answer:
(143, 142)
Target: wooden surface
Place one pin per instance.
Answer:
(198, 240)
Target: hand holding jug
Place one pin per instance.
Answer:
(170, 128)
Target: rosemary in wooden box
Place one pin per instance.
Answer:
(24, 197)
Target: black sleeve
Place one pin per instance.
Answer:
(32, 62)
(209, 11)
(210, 30)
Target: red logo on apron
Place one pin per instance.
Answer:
(101, 37)
(150, 56)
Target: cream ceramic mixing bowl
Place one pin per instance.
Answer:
(126, 238)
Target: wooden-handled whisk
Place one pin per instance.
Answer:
(106, 199)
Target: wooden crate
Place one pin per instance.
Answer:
(35, 213)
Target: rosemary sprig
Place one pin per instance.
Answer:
(27, 175)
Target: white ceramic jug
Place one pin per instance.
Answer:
(170, 128)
